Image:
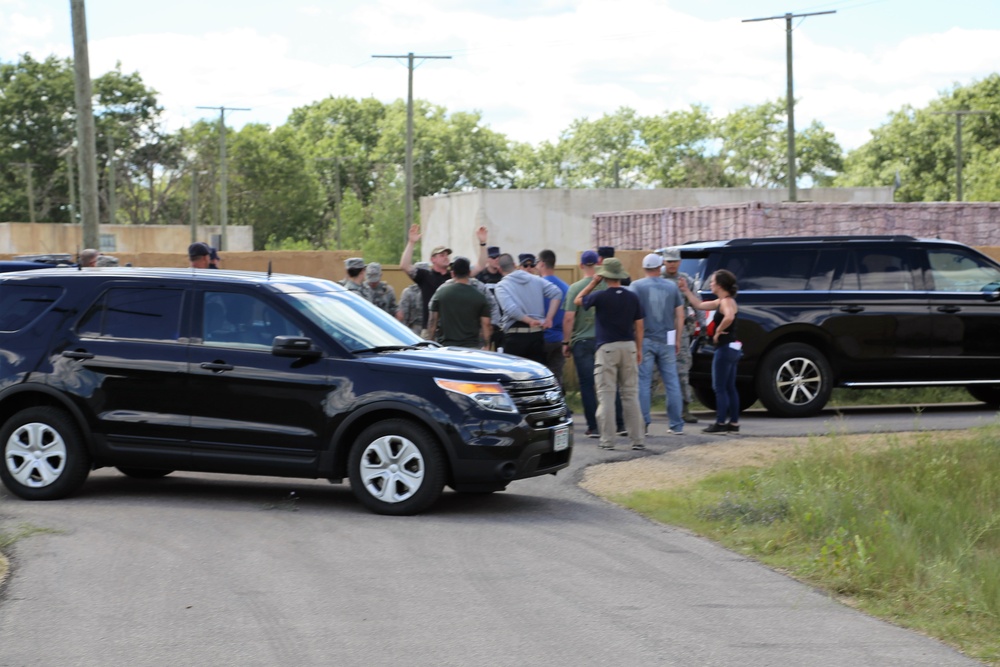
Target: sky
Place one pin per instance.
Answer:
(530, 67)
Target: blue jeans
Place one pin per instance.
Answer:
(664, 358)
(727, 400)
(583, 359)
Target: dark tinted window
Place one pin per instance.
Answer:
(21, 304)
(242, 320)
(147, 314)
(777, 269)
(879, 269)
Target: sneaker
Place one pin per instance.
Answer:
(622, 431)
(733, 429)
(639, 448)
(690, 419)
(592, 433)
(671, 431)
(606, 446)
(716, 428)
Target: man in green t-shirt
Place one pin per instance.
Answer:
(458, 312)
(578, 339)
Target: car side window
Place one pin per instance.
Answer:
(955, 270)
(233, 319)
(881, 269)
(781, 269)
(136, 313)
(21, 304)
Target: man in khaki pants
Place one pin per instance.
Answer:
(617, 325)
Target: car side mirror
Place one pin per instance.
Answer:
(991, 292)
(294, 346)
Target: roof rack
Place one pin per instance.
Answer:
(819, 239)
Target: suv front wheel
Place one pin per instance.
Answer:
(794, 380)
(396, 468)
(43, 454)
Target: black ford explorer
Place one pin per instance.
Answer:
(157, 370)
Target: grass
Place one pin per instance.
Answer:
(8, 539)
(907, 531)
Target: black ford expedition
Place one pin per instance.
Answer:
(863, 311)
(157, 370)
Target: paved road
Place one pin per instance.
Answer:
(214, 570)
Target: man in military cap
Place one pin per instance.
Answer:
(355, 280)
(383, 295)
(672, 272)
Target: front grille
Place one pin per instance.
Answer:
(540, 401)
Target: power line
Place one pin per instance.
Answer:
(792, 193)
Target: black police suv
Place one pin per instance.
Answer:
(157, 370)
(852, 311)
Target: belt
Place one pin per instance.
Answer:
(523, 329)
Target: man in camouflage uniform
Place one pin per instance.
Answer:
(410, 311)
(671, 271)
(383, 295)
(355, 280)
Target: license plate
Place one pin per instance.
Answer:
(560, 439)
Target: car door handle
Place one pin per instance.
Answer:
(852, 309)
(216, 366)
(949, 309)
(77, 354)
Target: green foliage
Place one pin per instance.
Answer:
(919, 145)
(909, 532)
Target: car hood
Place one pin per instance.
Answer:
(451, 359)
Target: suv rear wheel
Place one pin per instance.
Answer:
(396, 468)
(706, 396)
(794, 380)
(43, 454)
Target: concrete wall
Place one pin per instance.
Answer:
(975, 224)
(531, 220)
(23, 238)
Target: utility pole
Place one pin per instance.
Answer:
(112, 183)
(337, 196)
(194, 203)
(958, 143)
(28, 167)
(223, 203)
(71, 178)
(790, 103)
(85, 133)
(409, 136)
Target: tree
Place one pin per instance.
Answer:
(919, 146)
(609, 152)
(683, 147)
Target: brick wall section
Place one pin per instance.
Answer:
(975, 223)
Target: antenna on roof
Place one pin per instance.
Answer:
(268, 269)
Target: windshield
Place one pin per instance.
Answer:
(352, 321)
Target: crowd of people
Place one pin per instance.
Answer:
(620, 334)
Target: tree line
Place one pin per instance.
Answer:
(332, 175)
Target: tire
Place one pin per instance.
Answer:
(43, 454)
(794, 380)
(396, 468)
(143, 473)
(705, 395)
(987, 393)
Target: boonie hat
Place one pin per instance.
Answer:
(438, 249)
(493, 251)
(354, 263)
(672, 255)
(373, 272)
(198, 249)
(612, 268)
(589, 257)
(652, 261)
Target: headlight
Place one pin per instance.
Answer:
(489, 395)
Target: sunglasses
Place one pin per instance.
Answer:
(528, 265)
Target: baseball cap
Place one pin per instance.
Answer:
(589, 257)
(525, 257)
(354, 263)
(493, 251)
(438, 249)
(199, 249)
(652, 261)
(672, 255)
(373, 272)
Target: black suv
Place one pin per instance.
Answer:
(865, 311)
(156, 370)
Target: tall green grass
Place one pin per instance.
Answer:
(909, 533)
